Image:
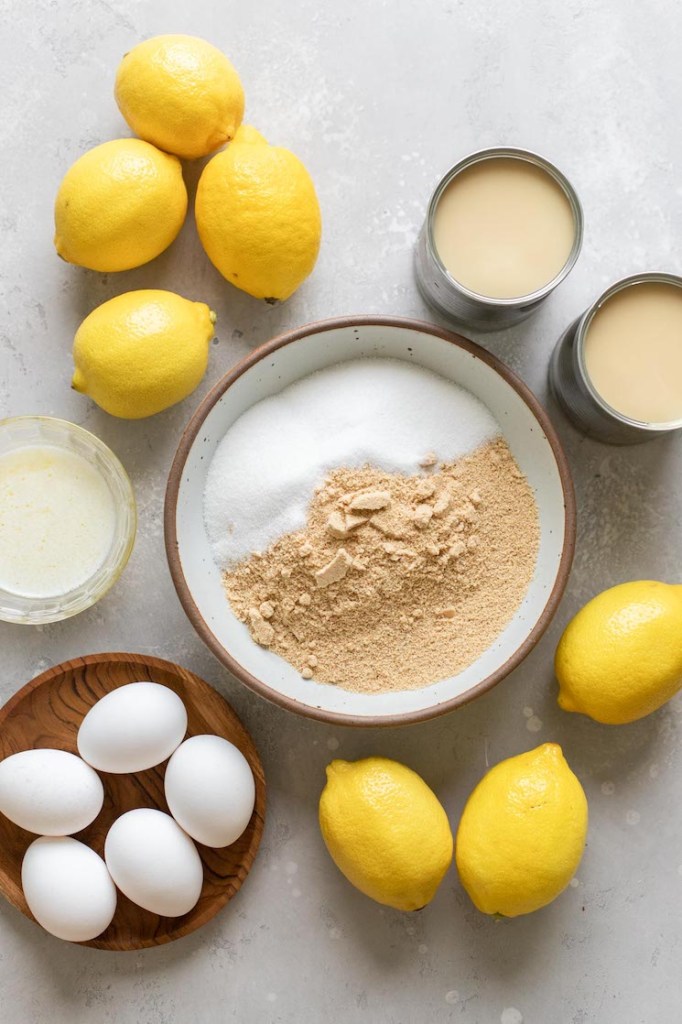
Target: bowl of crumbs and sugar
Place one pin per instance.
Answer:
(370, 521)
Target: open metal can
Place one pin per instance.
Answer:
(576, 393)
(458, 304)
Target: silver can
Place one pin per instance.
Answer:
(460, 305)
(574, 391)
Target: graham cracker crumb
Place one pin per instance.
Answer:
(425, 488)
(341, 524)
(431, 591)
(442, 504)
(370, 502)
(422, 515)
(335, 569)
(445, 613)
(263, 633)
(391, 523)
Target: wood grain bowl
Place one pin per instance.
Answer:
(47, 713)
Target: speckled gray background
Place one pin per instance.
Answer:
(378, 100)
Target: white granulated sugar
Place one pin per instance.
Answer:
(380, 412)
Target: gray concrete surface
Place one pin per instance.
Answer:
(378, 99)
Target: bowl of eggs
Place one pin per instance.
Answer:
(132, 801)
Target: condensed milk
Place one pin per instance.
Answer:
(633, 352)
(503, 229)
(617, 370)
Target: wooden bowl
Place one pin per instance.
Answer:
(47, 712)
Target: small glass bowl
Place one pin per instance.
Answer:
(28, 431)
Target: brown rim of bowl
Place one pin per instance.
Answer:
(194, 615)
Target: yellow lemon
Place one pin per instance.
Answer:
(258, 216)
(522, 833)
(180, 93)
(386, 831)
(620, 658)
(142, 352)
(119, 206)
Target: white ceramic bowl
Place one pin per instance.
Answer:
(523, 423)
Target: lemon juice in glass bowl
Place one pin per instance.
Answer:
(67, 519)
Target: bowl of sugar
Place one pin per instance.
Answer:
(67, 519)
(370, 521)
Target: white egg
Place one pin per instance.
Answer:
(154, 862)
(132, 728)
(210, 790)
(50, 792)
(68, 888)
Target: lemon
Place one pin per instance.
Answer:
(258, 216)
(119, 206)
(385, 831)
(142, 352)
(180, 93)
(620, 658)
(522, 833)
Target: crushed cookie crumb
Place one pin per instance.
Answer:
(335, 569)
(442, 504)
(422, 515)
(372, 501)
(425, 488)
(343, 524)
(263, 632)
(431, 590)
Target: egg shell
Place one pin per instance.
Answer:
(210, 790)
(68, 888)
(154, 862)
(50, 792)
(135, 727)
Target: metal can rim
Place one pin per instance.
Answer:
(649, 277)
(514, 153)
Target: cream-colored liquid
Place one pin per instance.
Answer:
(504, 228)
(57, 520)
(633, 352)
